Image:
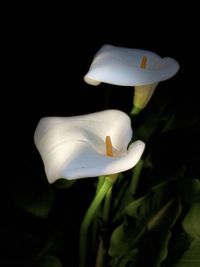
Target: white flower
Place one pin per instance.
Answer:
(131, 67)
(74, 147)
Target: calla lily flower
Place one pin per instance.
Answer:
(87, 146)
(131, 67)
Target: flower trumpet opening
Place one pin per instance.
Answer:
(143, 62)
(109, 150)
(142, 93)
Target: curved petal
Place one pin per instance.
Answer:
(66, 143)
(121, 66)
(88, 163)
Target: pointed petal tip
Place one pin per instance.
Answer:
(91, 81)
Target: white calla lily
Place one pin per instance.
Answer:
(74, 147)
(131, 67)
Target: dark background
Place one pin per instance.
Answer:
(47, 55)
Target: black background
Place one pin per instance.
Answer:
(47, 54)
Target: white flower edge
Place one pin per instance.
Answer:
(121, 66)
(104, 165)
(74, 147)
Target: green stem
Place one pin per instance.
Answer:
(101, 180)
(106, 208)
(135, 111)
(88, 218)
(100, 261)
(135, 178)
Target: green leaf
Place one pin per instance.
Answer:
(159, 233)
(124, 193)
(190, 189)
(191, 222)
(170, 123)
(152, 202)
(157, 217)
(135, 177)
(51, 244)
(121, 197)
(178, 244)
(124, 239)
(36, 199)
(49, 261)
(63, 183)
(134, 208)
(130, 258)
(191, 257)
(146, 130)
(151, 122)
(147, 221)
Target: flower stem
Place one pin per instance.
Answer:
(100, 261)
(107, 202)
(88, 219)
(135, 111)
(101, 180)
(135, 178)
(101, 252)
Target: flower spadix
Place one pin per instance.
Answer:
(87, 146)
(131, 67)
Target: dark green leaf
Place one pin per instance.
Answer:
(191, 257)
(135, 177)
(146, 130)
(170, 123)
(36, 199)
(129, 260)
(121, 197)
(63, 183)
(151, 122)
(191, 222)
(49, 261)
(51, 244)
(147, 220)
(152, 202)
(178, 244)
(124, 239)
(190, 190)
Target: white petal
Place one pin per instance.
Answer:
(88, 163)
(77, 143)
(121, 66)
